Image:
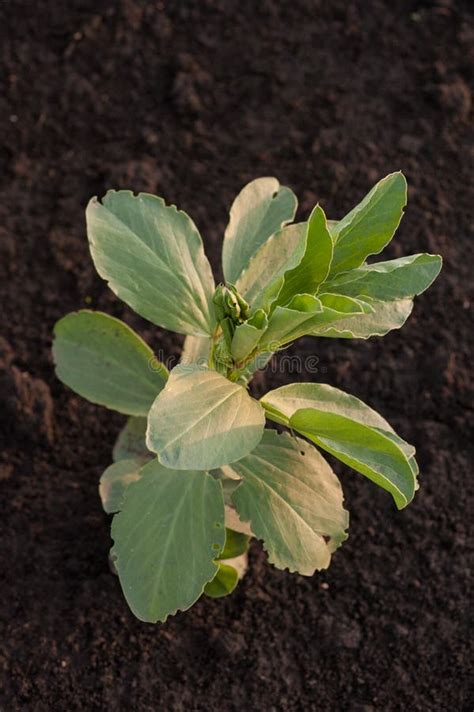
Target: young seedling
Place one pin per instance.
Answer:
(196, 472)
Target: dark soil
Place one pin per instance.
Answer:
(191, 101)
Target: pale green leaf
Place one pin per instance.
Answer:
(105, 361)
(223, 583)
(131, 441)
(261, 208)
(348, 429)
(152, 256)
(389, 281)
(167, 535)
(261, 282)
(232, 520)
(384, 317)
(304, 315)
(286, 400)
(364, 449)
(293, 502)
(202, 420)
(247, 335)
(115, 480)
(196, 350)
(370, 226)
(314, 267)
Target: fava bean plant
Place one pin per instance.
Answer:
(199, 467)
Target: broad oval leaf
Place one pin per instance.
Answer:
(348, 429)
(223, 583)
(104, 360)
(203, 421)
(383, 317)
(166, 537)
(115, 480)
(370, 226)
(314, 267)
(261, 208)
(152, 256)
(293, 502)
(389, 281)
(261, 282)
(130, 442)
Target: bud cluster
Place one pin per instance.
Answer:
(231, 310)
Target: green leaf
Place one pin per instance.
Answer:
(152, 256)
(384, 317)
(345, 306)
(364, 449)
(370, 226)
(282, 402)
(389, 281)
(167, 535)
(293, 502)
(261, 208)
(115, 480)
(202, 420)
(131, 441)
(303, 315)
(105, 361)
(232, 520)
(314, 267)
(236, 544)
(348, 429)
(247, 335)
(261, 282)
(223, 583)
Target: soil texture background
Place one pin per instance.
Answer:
(190, 100)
